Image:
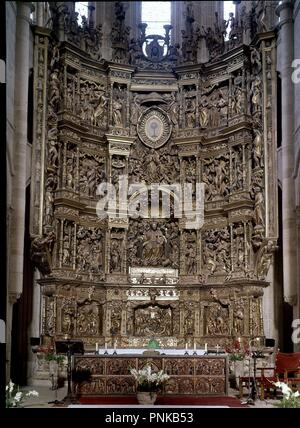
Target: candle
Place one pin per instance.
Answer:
(115, 344)
(194, 346)
(105, 346)
(97, 347)
(205, 347)
(217, 349)
(186, 347)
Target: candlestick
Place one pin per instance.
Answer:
(186, 349)
(105, 351)
(115, 347)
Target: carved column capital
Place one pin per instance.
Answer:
(13, 297)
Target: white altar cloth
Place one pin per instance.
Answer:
(139, 351)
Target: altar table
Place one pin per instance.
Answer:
(194, 375)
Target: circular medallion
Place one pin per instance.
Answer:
(154, 127)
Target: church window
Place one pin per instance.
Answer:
(229, 7)
(82, 8)
(156, 14)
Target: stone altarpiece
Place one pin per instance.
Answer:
(133, 279)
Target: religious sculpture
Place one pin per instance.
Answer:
(89, 131)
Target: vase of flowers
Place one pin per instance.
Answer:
(15, 397)
(149, 383)
(289, 399)
(237, 354)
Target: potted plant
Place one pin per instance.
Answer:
(149, 383)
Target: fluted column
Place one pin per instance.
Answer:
(286, 26)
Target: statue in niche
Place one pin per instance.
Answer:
(66, 249)
(255, 59)
(54, 89)
(154, 245)
(191, 264)
(264, 258)
(190, 111)
(117, 113)
(115, 255)
(67, 317)
(99, 115)
(49, 199)
(154, 165)
(237, 176)
(188, 322)
(52, 148)
(238, 318)
(54, 57)
(209, 258)
(135, 110)
(259, 208)
(223, 108)
(69, 173)
(214, 112)
(258, 149)
(237, 101)
(203, 113)
(174, 113)
(256, 95)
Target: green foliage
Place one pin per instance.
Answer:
(153, 344)
(289, 402)
(54, 357)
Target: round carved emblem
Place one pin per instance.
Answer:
(154, 127)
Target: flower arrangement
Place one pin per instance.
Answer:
(50, 354)
(238, 351)
(148, 380)
(290, 399)
(15, 397)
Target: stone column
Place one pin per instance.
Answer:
(18, 189)
(286, 26)
(40, 14)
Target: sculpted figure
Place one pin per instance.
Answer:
(257, 149)
(203, 114)
(258, 208)
(154, 245)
